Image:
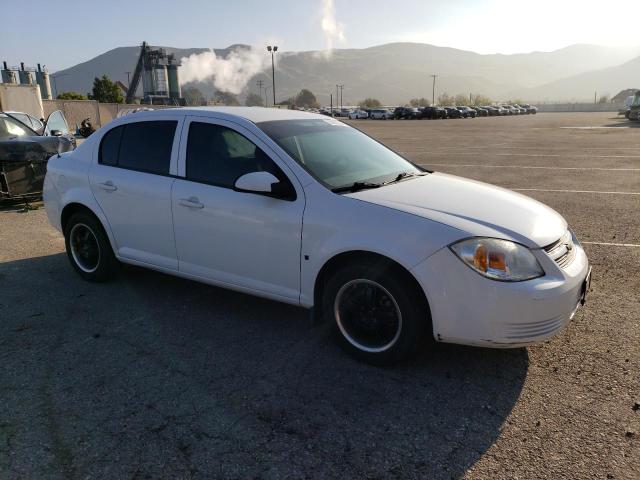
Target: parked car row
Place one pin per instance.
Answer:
(431, 113)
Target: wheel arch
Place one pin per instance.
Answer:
(381, 261)
(74, 207)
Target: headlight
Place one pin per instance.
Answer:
(498, 259)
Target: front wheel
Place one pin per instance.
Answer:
(88, 248)
(379, 313)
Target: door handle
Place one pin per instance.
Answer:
(191, 202)
(108, 186)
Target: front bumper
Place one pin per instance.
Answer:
(467, 308)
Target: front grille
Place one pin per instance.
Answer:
(562, 251)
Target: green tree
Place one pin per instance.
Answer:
(226, 98)
(446, 100)
(193, 96)
(71, 96)
(462, 99)
(419, 102)
(306, 99)
(370, 103)
(254, 100)
(106, 91)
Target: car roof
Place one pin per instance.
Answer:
(252, 114)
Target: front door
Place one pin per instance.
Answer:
(244, 240)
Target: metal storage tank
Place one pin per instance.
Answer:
(8, 76)
(42, 78)
(26, 77)
(160, 86)
(174, 79)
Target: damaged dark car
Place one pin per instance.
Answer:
(24, 153)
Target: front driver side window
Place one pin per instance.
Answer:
(219, 156)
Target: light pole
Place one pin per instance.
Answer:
(55, 84)
(433, 91)
(341, 87)
(273, 49)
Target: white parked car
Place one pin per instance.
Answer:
(380, 114)
(307, 210)
(358, 114)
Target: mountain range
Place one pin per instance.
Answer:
(397, 72)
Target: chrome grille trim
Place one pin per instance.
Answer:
(563, 250)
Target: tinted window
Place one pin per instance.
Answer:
(146, 146)
(110, 146)
(219, 155)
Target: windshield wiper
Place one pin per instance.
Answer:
(355, 186)
(403, 175)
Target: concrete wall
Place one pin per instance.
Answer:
(99, 113)
(21, 98)
(579, 107)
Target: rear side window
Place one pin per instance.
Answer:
(110, 146)
(142, 146)
(219, 156)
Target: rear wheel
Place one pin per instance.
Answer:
(88, 248)
(380, 315)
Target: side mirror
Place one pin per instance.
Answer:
(264, 183)
(256, 182)
(56, 133)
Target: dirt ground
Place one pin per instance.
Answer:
(151, 376)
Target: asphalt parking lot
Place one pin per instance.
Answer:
(151, 376)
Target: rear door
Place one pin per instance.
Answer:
(244, 240)
(131, 179)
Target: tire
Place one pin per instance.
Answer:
(88, 248)
(400, 305)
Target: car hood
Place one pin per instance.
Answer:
(477, 208)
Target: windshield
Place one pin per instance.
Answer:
(336, 154)
(10, 128)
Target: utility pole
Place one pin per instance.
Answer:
(128, 80)
(341, 87)
(273, 50)
(433, 91)
(595, 96)
(337, 94)
(331, 103)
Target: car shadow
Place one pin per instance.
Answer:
(151, 375)
(624, 124)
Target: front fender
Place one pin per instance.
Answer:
(335, 224)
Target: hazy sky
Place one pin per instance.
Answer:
(61, 34)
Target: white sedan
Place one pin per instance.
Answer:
(358, 114)
(307, 210)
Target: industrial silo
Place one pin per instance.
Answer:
(160, 85)
(8, 76)
(26, 77)
(42, 77)
(174, 79)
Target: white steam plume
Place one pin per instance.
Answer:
(333, 31)
(230, 74)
